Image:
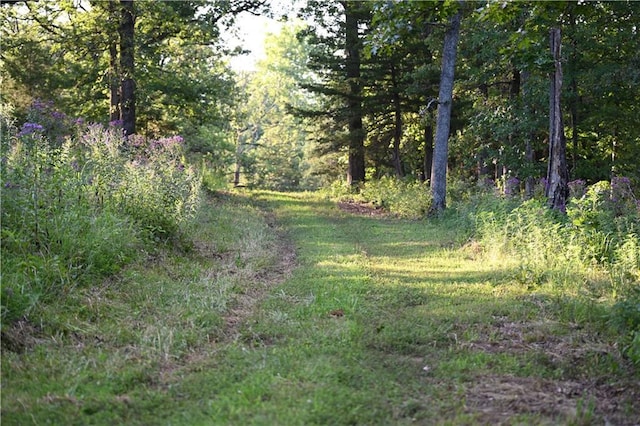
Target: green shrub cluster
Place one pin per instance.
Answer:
(410, 199)
(591, 254)
(78, 208)
(588, 257)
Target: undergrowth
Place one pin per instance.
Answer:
(590, 255)
(81, 201)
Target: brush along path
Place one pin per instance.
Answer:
(383, 321)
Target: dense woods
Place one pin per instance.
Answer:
(370, 84)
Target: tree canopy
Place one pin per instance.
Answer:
(351, 91)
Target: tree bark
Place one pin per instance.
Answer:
(127, 94)
(397, 130)
(114, 75)
(557, 190)
(428, 152)
(356, 169)
(443, 123)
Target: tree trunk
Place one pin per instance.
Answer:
(443, 124)
(238, 164)
(356, 169)
(397, 130)
(557, 190)
(127, 94)
(114, 75)
(529, 153)
(428, 152)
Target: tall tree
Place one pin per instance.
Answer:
(445, 100)
(352, 47)
(336, 59)
(127, 96)
(557, 190)
(80, 55)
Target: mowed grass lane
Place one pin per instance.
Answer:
(388, 321)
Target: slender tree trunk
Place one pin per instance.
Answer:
(356, 170)
(238, 164)
(428, 152)
(114, 75)
(529, 153)
(397, 130)
(443, 124)
(128, 99)
(557, 190)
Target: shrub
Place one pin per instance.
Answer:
(79, 209)
(403, 198)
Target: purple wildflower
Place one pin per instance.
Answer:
(511, 186)
(58, 116)
(29, 128)
(116, 123)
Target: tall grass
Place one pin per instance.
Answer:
(81, 201)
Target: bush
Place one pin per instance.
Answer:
(404, 198)
(79, 209)
(592, 254)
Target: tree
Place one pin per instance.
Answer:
(336, 59)
(400, 82)
(557, 190)
(270, 140)
(353, 46)
(86, 57)
(445, 100)
(127, 96)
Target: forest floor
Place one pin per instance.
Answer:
(289, 309)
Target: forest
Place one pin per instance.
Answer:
(505, 133)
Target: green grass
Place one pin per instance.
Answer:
(383, 321)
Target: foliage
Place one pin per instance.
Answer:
(404, 198)
(591, 254)
(63, 51)
(270, 140)
(77, 209)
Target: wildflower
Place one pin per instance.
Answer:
(58, 116)
(29, 128)
(116, 123)
(511, 186)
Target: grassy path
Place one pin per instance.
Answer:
(383, 321)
